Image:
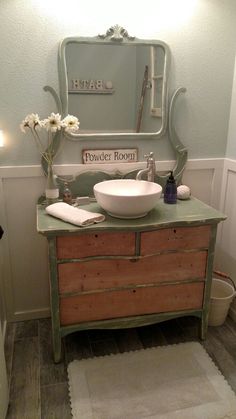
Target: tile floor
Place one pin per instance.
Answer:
(38, 387)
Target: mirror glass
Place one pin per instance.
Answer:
(116, 89)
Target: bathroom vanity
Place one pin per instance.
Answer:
(127, 273)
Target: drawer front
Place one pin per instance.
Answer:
(113, 273)
(132, 302)
(95, 244)
(175, 239)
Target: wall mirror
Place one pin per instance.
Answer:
(115, 84)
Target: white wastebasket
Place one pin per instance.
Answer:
(222, 294)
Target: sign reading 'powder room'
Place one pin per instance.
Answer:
(125, 155)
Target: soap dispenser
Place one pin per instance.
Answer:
(170, 192)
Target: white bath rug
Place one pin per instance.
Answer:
(168, 382)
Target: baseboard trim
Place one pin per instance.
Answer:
(31, 314)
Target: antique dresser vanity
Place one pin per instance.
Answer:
(125, 273)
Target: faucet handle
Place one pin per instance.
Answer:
(149, 156)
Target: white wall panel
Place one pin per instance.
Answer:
(228, 240)
(26, 264)
(27, 270)
(226, 249)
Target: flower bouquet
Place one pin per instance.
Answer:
(48, 144)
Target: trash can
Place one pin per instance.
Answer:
(222, 294)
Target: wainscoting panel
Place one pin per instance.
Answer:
(226, 250)
(2, 296)
(228, 239)
(25, 251)
(27, 279)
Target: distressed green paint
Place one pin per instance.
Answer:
(167, 107)
(114, 257)
(127, 322)
(87, 258)
(185, 213)
(180, 150)
(54, 295)
(123, 41)
(128, 287)
(88, 179)
(137, 246)
(209, 269)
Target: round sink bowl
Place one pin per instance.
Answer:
(127, 198)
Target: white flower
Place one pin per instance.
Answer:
(70, 123)
(23, 125)
(53, 122)
(31, 121)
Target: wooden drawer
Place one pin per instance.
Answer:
(95, 244)
(175, 239)
(113, 273)
(130, 302)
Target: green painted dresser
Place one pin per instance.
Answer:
(127, 273)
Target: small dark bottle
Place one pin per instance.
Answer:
(67, 195)
(170, 192)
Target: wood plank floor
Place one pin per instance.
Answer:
(38, 387)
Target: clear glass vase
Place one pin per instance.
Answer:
(52, 190)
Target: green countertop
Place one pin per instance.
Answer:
(191, 211)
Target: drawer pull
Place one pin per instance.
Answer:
(134, 260)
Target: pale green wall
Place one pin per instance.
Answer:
(203, 52)
(231, 143)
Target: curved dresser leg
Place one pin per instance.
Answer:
(54, 296)
(56, 344)
(203, 327)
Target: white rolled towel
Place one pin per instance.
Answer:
(77, 216)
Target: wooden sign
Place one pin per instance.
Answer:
(123, 155)
(91, 86)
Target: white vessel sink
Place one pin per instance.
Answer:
(127, 198)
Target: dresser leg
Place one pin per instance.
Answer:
(203, 328)
(57, 347)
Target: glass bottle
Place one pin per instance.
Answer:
(170, 192)
(52, 190)
(67, 195)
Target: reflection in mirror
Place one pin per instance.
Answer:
(110, 91)
(116, 88)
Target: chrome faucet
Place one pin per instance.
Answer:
(150, 169)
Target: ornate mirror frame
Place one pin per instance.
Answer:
(119, 35)
(116, 36)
